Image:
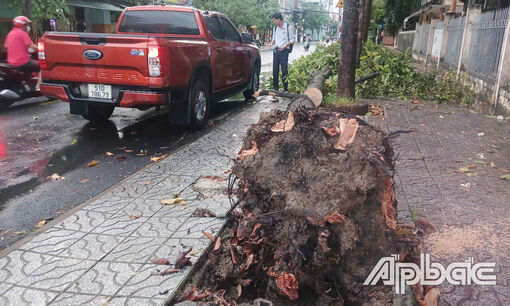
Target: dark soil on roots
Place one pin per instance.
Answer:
(312, 221)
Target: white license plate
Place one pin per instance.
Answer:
(100, 91)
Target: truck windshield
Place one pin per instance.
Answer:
(161, 22)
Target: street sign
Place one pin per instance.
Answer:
(340, 3)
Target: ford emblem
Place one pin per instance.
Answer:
(92, 54)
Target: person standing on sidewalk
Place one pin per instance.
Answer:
(283, 40)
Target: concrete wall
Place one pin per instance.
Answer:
(494, 92)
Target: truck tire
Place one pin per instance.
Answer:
(200, 103)
(254, 83)
(98, 112)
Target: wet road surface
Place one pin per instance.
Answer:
(39, 139)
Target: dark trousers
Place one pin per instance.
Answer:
(280, 59)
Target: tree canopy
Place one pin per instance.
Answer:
(315, 16)
(243, 12)
(42, 9)
(395, 11)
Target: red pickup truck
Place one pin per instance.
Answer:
(172, 56)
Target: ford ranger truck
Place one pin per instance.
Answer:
(174, 56)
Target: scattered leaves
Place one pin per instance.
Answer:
(75, 142)
(173, 201)
(208, 235)
(288, 285)
(15, 234)
(471, 174)
(6, 232)
(56, 177)
(93, 163)
(492, 165)
(505, 177)
(109, 153)
(169, 271)
(133, 273)
(134, 217)
(217, 245)
(83, 181)
(146, 183)
(156, 159)
(121, 158)
(41, 223)
(161, 261)
(128, 151)
(182, 260)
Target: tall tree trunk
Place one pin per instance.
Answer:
(347, 67)
(361, 29)
(368, 13)
(28, 9)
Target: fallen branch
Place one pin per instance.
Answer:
(368, 77)
(398, 132)
(311, 98)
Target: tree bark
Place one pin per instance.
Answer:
(368, 14)
(28, 9)
(311, 98)
(347, 66)
(361, 28)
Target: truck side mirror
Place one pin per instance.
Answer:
(247, 38)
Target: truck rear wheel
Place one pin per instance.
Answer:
(254, 83)
(98, 112)
(200, 103)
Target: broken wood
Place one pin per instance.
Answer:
(368, 77)
(313, 92)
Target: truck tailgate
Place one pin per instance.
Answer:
(97, 58)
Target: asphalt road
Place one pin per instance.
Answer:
(39, 138)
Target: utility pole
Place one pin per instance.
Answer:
(349, 37)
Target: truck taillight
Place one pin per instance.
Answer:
(41, 55)
(156, 60)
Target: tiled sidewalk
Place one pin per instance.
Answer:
(99, 255)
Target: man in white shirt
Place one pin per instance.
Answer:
(283, 39)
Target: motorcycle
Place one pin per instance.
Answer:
(16, 85)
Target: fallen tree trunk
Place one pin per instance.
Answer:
(311, 98)
(313, 92)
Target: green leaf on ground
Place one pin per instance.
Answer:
(505, 177)
(470, 174)
(75, 142)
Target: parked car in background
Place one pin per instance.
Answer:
(172, 56)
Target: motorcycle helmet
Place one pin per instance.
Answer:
(21, 21)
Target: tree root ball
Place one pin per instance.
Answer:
(312, 221)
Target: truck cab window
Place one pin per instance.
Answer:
(231, 33)
(159, 22)
(215, 28)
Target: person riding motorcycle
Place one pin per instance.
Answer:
(18, 43)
